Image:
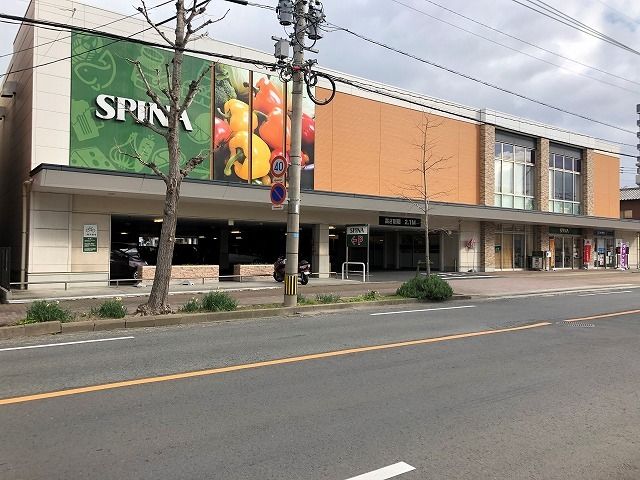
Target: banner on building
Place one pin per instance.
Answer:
(239, 119)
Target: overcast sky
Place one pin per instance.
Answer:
(392, 23)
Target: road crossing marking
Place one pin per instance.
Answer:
(27, 347)
(385, 472)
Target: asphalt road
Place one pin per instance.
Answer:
(554, 400)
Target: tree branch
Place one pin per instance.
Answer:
(193, 89)
(143, 10)
(137, 156)
(152, 95)
(193, 162)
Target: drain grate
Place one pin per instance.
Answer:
(577, 324)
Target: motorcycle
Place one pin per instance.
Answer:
(304, 270)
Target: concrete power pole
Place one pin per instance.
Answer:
(293, 213)
(638, 157)
(306, 16)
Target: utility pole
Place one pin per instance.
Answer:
(306, 16)
(638, 146)
(293, 213)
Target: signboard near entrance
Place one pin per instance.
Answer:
(90, 238)
(565, 231)
(400, 221)
(357, 235)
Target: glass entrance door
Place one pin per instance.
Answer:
(559, 258)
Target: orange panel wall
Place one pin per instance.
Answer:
(606, 186)
(369, 147)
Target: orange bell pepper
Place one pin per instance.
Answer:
(271, 130)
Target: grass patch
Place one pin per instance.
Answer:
(302, 300)
(112, 308)
(218, 302)
(327, 298)
(43, 311)
(191, 306)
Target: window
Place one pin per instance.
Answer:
(627, 214)
(565, 184)
(514, 176)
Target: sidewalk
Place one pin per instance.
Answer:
(496, 284)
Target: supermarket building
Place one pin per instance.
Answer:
(510, 190)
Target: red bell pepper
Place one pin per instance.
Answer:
(221, 132)
(268, 97)
(304, 158)
(271, 129)
(308, 130)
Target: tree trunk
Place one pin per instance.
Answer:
(157, 302)
(426, 243)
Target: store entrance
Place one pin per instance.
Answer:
(566, 252)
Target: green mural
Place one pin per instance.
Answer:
(105, 85)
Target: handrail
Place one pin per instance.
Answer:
(117, 281)
(364, 269)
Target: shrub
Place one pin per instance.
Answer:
(43, 311)
(218, 302)
(110, 309)
(426, 288)
(412, 288)
(437, 289)
(190, 306)
(327, 298)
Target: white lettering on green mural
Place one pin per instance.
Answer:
(111, 107)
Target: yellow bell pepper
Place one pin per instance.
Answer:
(237, 114)
(239, 144)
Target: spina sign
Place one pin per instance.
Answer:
(357, 235)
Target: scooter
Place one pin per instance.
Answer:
(304, 270)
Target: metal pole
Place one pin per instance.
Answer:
(293, 214)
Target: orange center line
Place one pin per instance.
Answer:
(267, 363)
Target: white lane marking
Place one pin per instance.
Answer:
(385, 472)
(65, 343)
(423, 310)
(604, 293)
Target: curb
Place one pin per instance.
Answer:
(48, 328)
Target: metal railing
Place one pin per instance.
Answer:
(362, 264)
(118, 281)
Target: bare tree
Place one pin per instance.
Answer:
(185, 31)
(427, 163)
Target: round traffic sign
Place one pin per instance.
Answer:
(278, 166)
(278, 193)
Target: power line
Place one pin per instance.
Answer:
(496, 30)
(258, 63)
(584, 75)
(118, 38)
(402, 94)
(368, 87)
(561, 17)
(482, 82)
(26, 49)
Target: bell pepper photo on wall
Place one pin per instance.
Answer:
(242, 97)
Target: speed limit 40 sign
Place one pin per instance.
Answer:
(278, 166)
